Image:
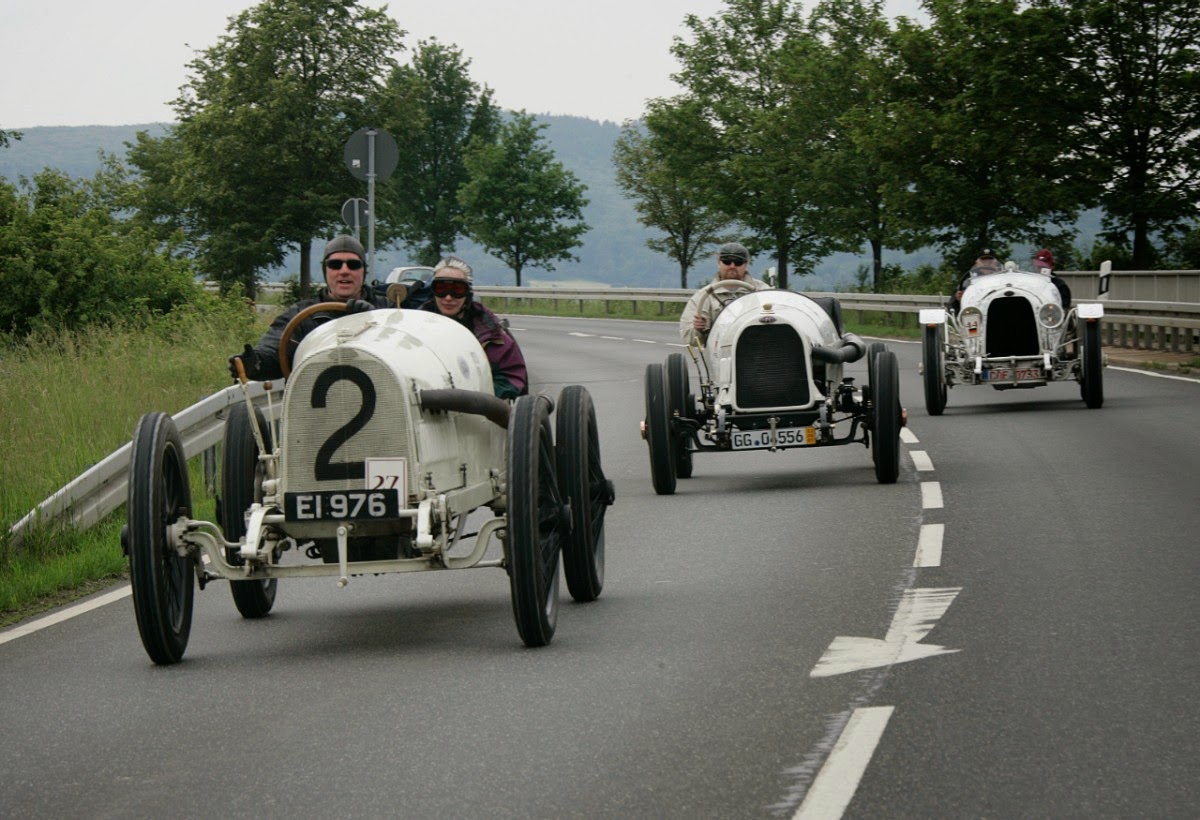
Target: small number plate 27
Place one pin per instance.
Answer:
(760, 439)
(341, 505)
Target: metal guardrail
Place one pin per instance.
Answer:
(104, 487)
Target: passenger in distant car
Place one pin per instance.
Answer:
(1044, 262)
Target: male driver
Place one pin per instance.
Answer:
(733, 262)
(986, 263)
(344, 261)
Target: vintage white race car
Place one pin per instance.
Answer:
(771, 377)
(1012, 331)
(389, 437)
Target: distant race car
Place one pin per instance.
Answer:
(389, 437)
(1012, 331)
(770, 377)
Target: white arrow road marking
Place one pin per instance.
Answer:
(838, 779)
(917, 614)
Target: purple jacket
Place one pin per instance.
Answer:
(509, 376)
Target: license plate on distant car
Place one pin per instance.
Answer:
(1009, 374)
(341, 505)
(783, 437)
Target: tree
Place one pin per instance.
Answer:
(664, 199)
(520, 204)
(434, 110)
(69, 258)
(8, 136)
(1139, 113)
(975, 139)
(263, 121)
(754, 141)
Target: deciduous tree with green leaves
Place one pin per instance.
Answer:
(434, 110)
(520, 204)
(263, 121)
(664, 199)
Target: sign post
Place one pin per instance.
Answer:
(371, 154)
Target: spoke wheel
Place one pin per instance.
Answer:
(536, 521)
(1091, 384)
(933, 358)
(582, 482)
(241, 486)
(885, 433)
(658, 431)
(679, 403)
(163, 581)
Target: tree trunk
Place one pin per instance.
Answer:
(877, 262)
(783, 265)
(305, 260)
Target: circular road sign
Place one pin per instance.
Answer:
(358, 153)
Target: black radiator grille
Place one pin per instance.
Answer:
(771, 368)
(1012, 329)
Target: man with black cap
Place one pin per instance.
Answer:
(986, 263)
(344, 262)
(733, 261)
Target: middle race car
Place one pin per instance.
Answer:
(771, 377)
(1012, 330)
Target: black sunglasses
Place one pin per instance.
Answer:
(732, 260)
(450, 287)
(336, 264)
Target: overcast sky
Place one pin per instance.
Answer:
(120, 62)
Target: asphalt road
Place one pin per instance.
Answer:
(1008, 631)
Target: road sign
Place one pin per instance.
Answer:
(359, 149)
(355, 212)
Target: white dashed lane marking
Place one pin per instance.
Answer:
(921, 460)
(931, 495)
(838, 779)
(929, 546)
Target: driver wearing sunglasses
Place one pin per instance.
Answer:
(733, 262)
(453, 297)
(344, 264)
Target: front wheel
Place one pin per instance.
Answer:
(161, 578)
(589, 493)
(658, 431)
(933, 357)
(885, 433)
(241, 486)
(537, 523)
(1091, 383)
(680, 403)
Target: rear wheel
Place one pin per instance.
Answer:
(1091, 383)
(885, 438)
(241, 483)
(679, 403)
(583, 484)
(933, 357)
(536, 521)
(658, 431)
(161, 578)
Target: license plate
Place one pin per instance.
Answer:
(341, 505)
(1019, 374)
(782, 437)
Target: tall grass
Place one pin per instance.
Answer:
(70, 400)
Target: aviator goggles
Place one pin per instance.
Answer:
(336, 264)
(451, 287)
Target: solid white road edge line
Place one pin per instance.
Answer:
(65, 614)
(838, 779)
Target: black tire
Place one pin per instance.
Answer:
(583, 484)
(658, 431)
(885, 433)
(1091, 382)
(933, 357)
(163, 581)
(536, 521)
(240, 485)
(679, 401)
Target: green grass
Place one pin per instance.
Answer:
(71, 401)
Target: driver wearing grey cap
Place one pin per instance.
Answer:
(733, 263)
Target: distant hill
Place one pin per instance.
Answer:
(614, 250)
